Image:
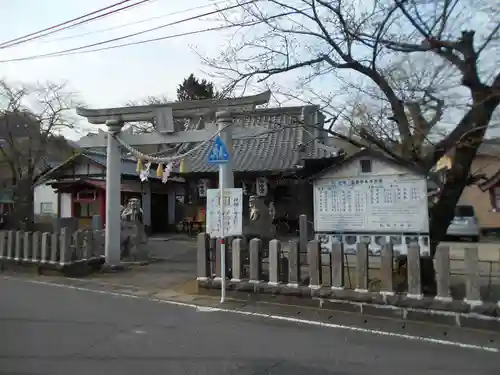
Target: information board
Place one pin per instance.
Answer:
(371, 204)
(233, 212)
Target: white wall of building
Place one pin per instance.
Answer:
(353, 169)
(45, 200)
(66, 202)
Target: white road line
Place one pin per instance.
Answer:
(272, 317)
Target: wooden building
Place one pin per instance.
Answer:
(78, 189)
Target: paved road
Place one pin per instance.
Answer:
(55, 330)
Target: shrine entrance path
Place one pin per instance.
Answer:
(173, 274)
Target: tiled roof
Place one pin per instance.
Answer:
(273, 151)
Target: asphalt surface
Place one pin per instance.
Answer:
(55, 330)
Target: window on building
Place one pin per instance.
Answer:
(86, 195)
(86, 210)
(366, 165)
(46, 208)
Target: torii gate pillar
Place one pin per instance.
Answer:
(112, 248)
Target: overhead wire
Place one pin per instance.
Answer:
(54, 29)
(82, 49)
(149, 19)
(76, 51)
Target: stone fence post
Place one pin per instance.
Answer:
(274, 259)
(472, 286)
(236, 259)
(45, 248)
(27, 246)
(36, 241)
(362, 267)
(293, 264)
(387, 268)
(315, 267)
(203, 257)
(413, 271)
(3, 245)
(255, 260)
(337, 266)
(303, 233)
(442, 258)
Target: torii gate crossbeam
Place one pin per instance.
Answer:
(162, 116)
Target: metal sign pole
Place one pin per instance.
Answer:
(220, 155)
(222, 235)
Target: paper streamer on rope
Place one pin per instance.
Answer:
(139, 167)
(166, 172)
(144, 174)
(159, 170)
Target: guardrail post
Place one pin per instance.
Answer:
(315, 267)
(413, 271)
(274, 258)
(203, 264)
(255, 260)
(442, 258)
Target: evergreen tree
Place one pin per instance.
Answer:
(193, 88)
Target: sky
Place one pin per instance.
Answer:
(114, 77)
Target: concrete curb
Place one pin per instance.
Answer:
(484, 317)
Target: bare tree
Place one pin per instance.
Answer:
(32, 120)
(426, 72)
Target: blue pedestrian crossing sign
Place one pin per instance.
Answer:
(218, 154)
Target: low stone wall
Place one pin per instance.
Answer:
(63, 251)
(284, 281)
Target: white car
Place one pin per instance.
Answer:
(465, 224)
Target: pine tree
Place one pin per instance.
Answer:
(193, 88)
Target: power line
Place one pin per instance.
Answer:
(78, 49)
(133, 23)
(55, 29)
(65, 23)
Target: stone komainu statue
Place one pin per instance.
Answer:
(261, 218)
(133, 235)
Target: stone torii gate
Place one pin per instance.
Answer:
(162, 116)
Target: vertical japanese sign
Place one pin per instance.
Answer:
(233, 212)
